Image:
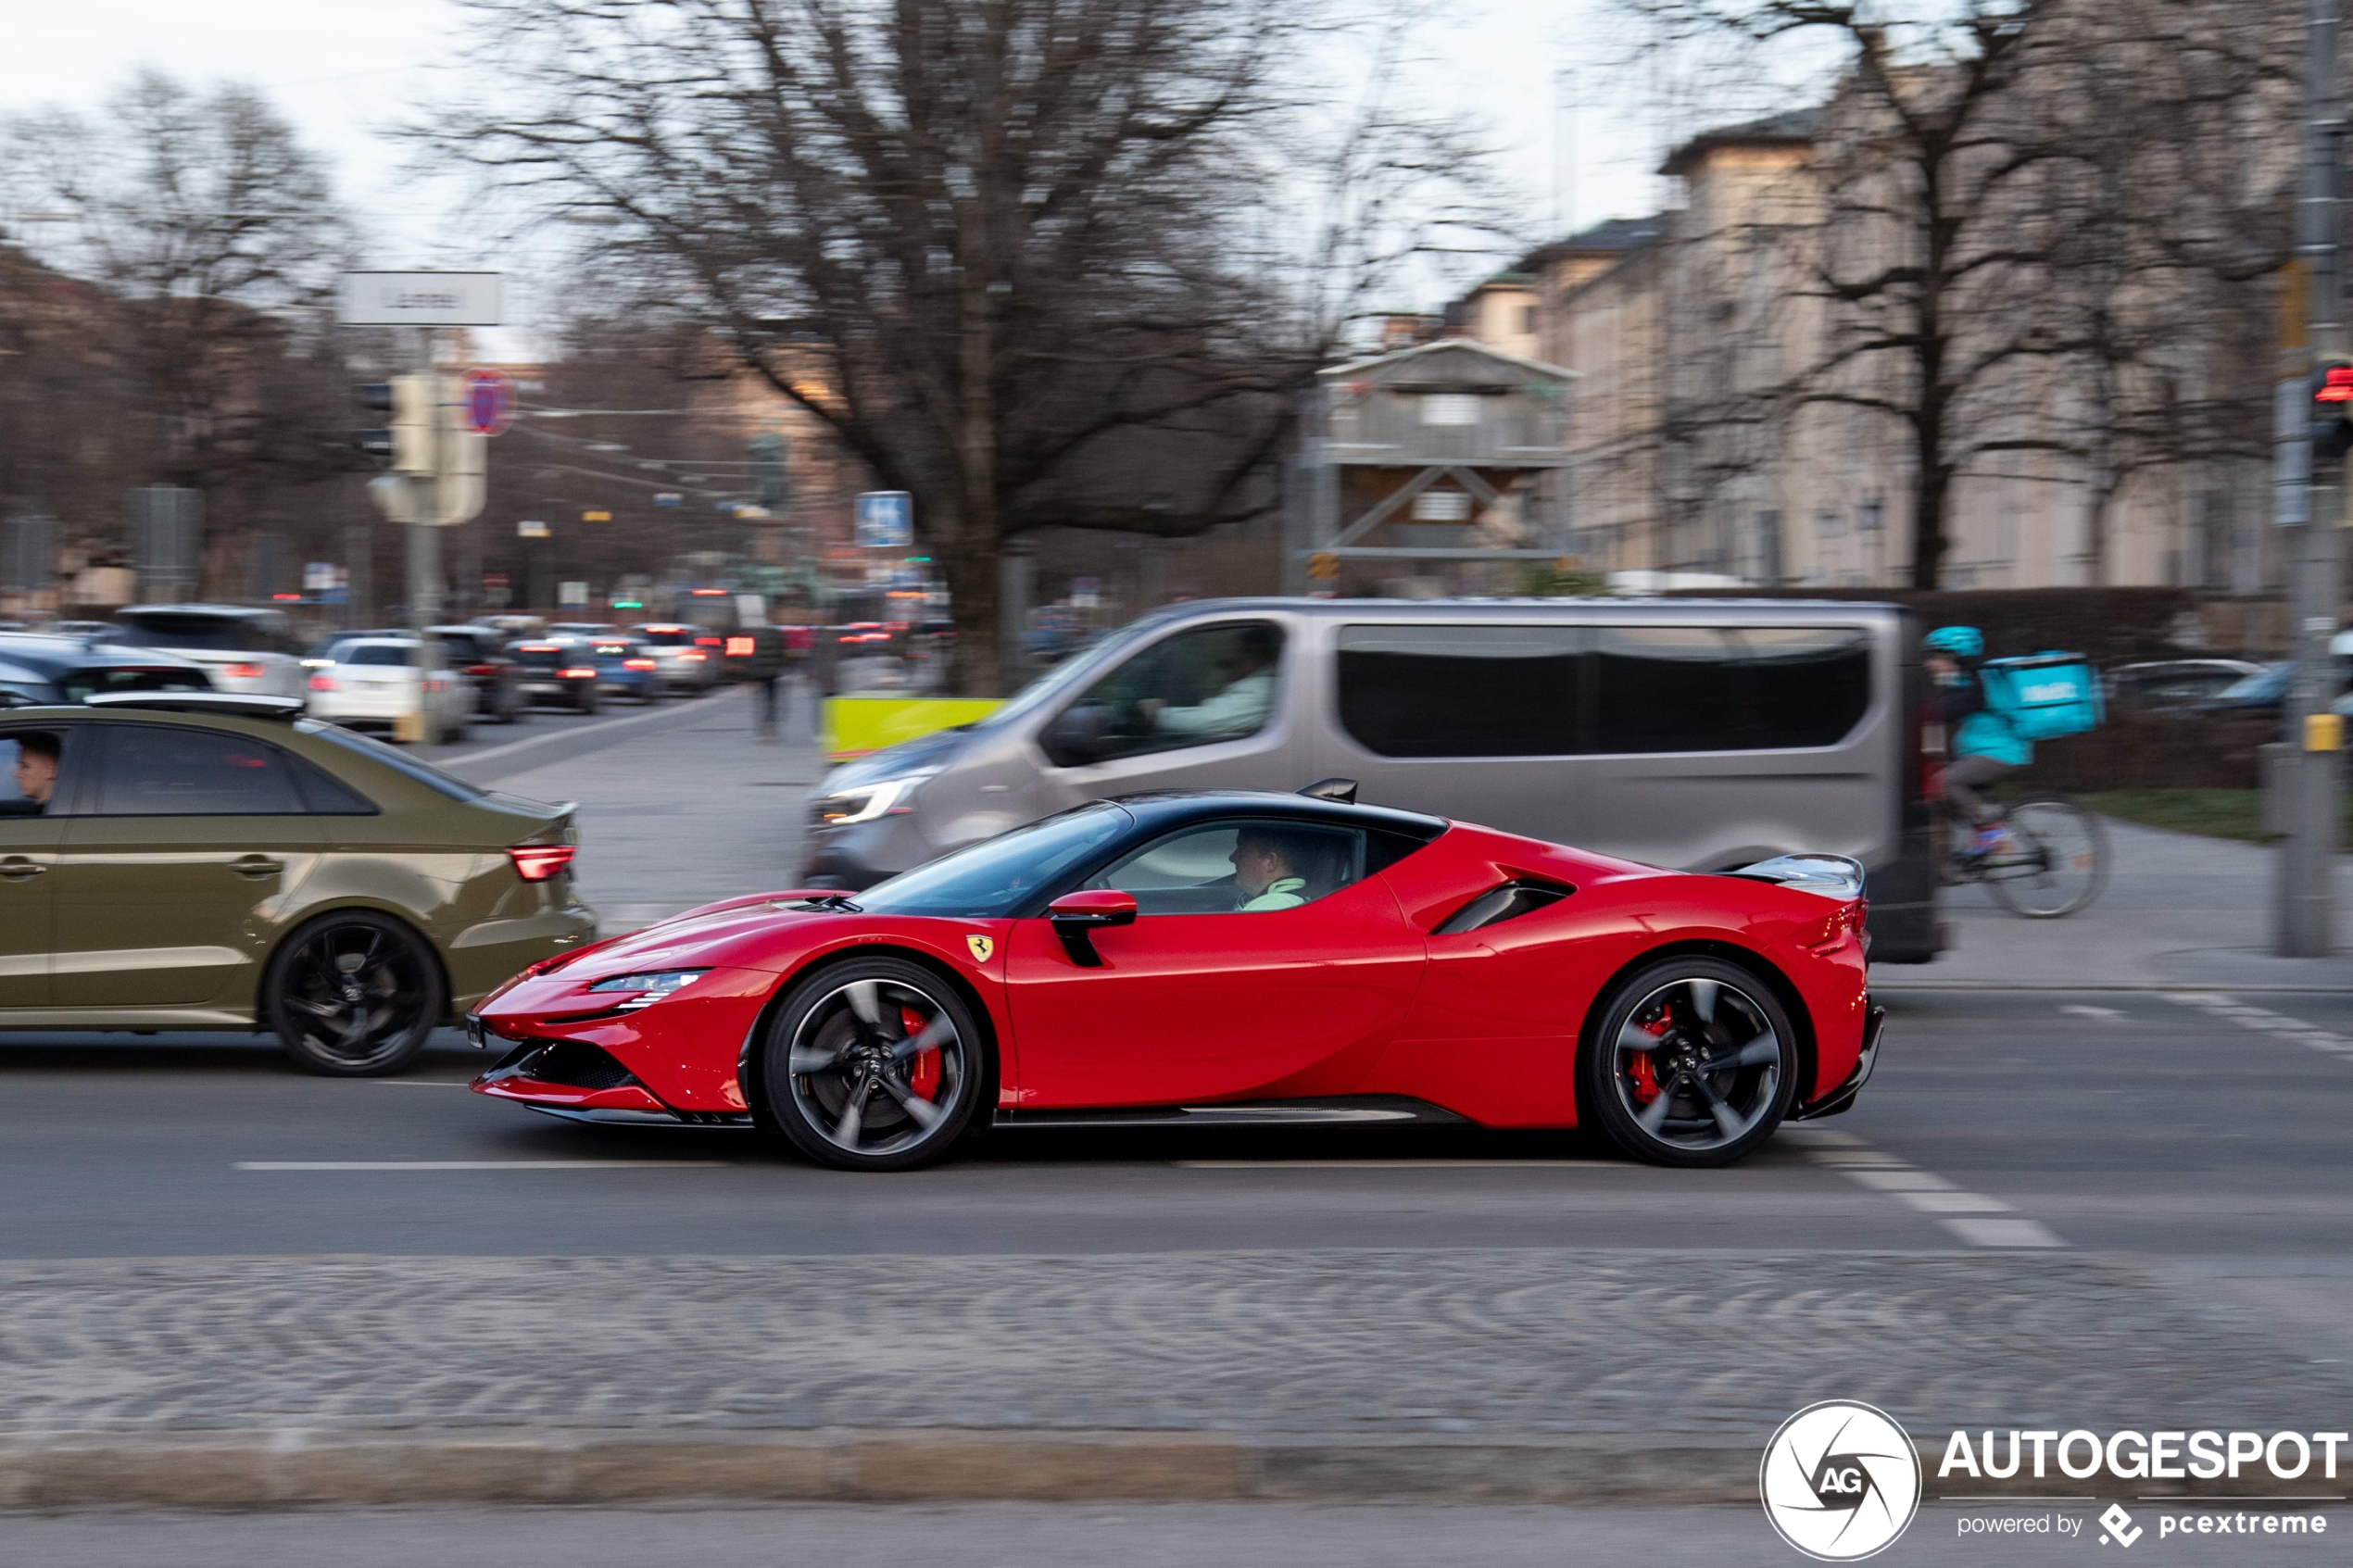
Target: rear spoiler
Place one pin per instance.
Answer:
(1833, 877)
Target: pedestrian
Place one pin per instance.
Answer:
(767, 662)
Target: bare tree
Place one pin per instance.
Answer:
(1031, 260)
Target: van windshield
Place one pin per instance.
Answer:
(1049, 687)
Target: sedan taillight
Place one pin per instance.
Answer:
(578, 672)
(537, 863)
(322, 682)
(242, 671)
(638, 664)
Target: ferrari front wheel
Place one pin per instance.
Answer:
(872, 1064)
(1693, 1062)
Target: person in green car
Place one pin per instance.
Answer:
(35, 774)
(1267, 869)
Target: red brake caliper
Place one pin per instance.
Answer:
(923, 1073)
(1645, 1083)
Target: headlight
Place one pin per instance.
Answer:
(863, 803)
(655, 985)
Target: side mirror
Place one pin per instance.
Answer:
(1074, 916)
(1076, 734)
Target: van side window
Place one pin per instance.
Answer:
(1740, 688)
(1459, 691)
(1213, 684)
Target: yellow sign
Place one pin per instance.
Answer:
(595, 517)
(982, 947)
(1322, 569)
(853, 726)
(2323, 732)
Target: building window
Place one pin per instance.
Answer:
(1528, 321)
(1450, 409)
(1829, 523)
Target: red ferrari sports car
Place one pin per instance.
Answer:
(1219, 956)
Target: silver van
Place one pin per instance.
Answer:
(1701, 734)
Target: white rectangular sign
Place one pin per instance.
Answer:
(420, 299)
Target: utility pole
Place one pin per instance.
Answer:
(2304, 868)
(424, 522)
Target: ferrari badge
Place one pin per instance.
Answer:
(982, 947)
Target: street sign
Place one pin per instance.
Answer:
(489, 405)
(886, 519)
(420, 299)
(531, 528)
(572, 596)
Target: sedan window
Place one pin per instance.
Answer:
(1250, 867)
(159, 770)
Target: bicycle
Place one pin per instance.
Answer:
(2055, 861)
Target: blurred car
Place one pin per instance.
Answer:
(686, 665)
(248, 650)
(558, 671)
(381, 681)
(2262, 692)
(583, 629)
(216, 862)
(2171, 685)
(39, 668)
(480, 655)
(625, 666)
(1261, 959)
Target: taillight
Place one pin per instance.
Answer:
(578, 674)
(322, 682)
(242, 671)
(482, 670)
(537, 863)
(638, 664)
(739, 647)
(692, 657)
(707, 642)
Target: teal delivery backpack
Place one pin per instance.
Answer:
(2044, 696)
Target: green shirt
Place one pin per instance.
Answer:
(1283, 893)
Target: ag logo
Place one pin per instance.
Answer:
(982, 947)
(1840, 1480)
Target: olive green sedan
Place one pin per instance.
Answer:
(191, 860)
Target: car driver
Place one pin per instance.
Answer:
(1266, 871)
(36, 775)
(1244, 697)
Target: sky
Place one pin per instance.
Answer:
(343, 69)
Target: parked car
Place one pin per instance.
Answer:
(2262, 692)
(480, 656)
(1682, 733)
(248, 650)
(686, 664)
(216, 862)
(625, 666)
(43, 668)
(379, 682)
(2170, 685)
(558, 671)
(1262, 958)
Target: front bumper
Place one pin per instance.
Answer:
(1843, 1097)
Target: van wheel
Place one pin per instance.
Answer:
(1693, 1062)
(353, 995)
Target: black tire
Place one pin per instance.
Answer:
(589, 703)
(353, 970)
(848, 1027)
(2060, 859)
(1663, 1101)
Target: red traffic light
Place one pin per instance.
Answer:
(2335, 385)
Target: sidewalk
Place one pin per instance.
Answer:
(2179, 911)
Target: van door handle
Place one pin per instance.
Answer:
(256, 866)
(16, 867)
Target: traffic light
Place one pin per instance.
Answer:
(407, 443)
(2332, 410)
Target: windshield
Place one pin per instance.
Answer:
(1063, 676)
(378, 653)
(399, 762)
(668, 638)
(212, 633)
(993, 878)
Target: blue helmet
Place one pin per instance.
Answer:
(1962, 642)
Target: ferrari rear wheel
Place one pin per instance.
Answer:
(1693, 1063)
(872, 1064)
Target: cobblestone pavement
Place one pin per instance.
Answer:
(1545, 1343)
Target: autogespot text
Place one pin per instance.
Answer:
(2136, 1456)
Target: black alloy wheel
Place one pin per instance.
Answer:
(873, 1064)
(1692, 1062)
(353, 995)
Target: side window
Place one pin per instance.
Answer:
(325, 795)
(1213, 684)
(1741, 688)
(1459, 691)
(1252, 867)
(29, 775)
(156, 771)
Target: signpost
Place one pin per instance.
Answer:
(886, 519)
(421, 299)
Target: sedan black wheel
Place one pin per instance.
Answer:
(1692, 1062)
(875, 1065)
(353, 995)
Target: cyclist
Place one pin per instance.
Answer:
(1981, 746)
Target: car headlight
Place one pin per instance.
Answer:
(863, 803)
(654, 986)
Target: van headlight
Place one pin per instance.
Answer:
(651, 986)
(863, 803)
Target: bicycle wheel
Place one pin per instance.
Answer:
(2057, 863)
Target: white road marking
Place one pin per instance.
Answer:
(481, 1164)
(2106, 1015)
(1922, 1190)
(1955, 1203)
(1401, 1165)
(2262, 1021)
(423, 1083)
(2003, 1233)
(1901, 1180)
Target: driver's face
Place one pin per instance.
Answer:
(36, 775)
(1257, 867)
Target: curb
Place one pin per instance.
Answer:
(295, 1468)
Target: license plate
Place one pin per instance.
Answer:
(477, 1036)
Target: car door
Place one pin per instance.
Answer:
(170, 878)
(1218, 990)
(35, 800)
